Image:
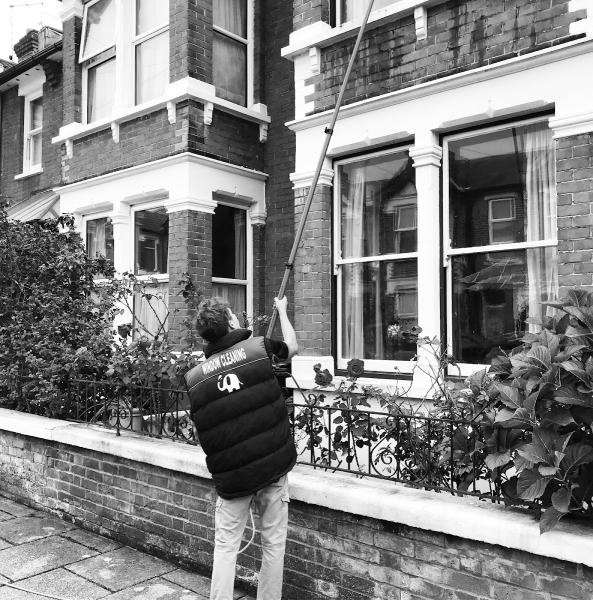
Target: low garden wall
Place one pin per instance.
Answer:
(349, 538)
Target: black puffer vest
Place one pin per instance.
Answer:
(241, 417)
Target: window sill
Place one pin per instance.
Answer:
(30, 173)
(183, 89)
(322, 34)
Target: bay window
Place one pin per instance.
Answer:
(151, 247)
(229, 256)
(500, 238)
(124, 55)
(230, 53)
(376, 259)
(99, 238)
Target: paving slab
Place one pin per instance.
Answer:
(192, 581)
(157, 589)
(121, 568)
(92, 540)
(7, 593)
(63, 584)
(4, 516)
(22, 530)
(4, 544)
(25, 560)
(16, 510)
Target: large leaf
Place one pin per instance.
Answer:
(531, 485)
(575, 368)
(549, 519)
(576, 455)
(509, 396)
(583, 313)
(500, 459)
(534, 453)
(570, 395)
(557, 416)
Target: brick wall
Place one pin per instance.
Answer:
(279, 150)
(461, 36)
(307, 12)
(313, 273)
(574, 177)
(72, 71)
(329, 554)
(11, 144)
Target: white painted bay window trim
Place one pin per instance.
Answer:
(31, 88)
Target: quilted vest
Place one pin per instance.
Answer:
(241, 418)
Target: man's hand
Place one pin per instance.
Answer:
(281, 304)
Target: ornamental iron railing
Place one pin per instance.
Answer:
(411, 448)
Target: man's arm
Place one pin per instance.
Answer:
(288, 332)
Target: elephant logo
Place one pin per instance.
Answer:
(229, 383)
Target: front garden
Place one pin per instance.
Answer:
(520, 432)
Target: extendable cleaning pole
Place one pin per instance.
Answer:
(328, 135)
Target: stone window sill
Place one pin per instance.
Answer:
(30, 173)
(462, 517)
(177, 91)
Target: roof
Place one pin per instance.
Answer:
(19, 68)
(43, 205)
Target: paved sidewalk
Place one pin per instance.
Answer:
(41, 553)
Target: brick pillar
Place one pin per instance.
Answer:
(190, 251)
(259, 273)
(313, 274)
(312, 11)
(190, 39)
(71, 69)
(574, 177)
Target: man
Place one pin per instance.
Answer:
(242, 422)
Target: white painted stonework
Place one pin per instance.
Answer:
(463, 517)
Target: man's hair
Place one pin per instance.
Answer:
(212, 320)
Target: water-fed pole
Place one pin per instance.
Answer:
(328, 134)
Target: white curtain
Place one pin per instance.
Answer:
(373, 223)
(101, 83)
(231, 15)
(353, 247)
(540, 185)
(151, 315)
(152, 67)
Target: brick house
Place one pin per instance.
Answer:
(456, 194)
(163, 134)
(457, 190)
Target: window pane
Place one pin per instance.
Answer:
(101, 83)
(231, 15)
(151, 314)
(235, 295)
(378, 206)
(355, 9)
(502, 232)
(497, 298)
(151, 14)
(229, 243)
(152, 241)
(99, 238)
(502, 209)
(152, 67)
(36, 107)
(35, 142)
(230, 69)
(379, 302)
(515, 163)
(100, 27)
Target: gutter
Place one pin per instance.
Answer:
(32, 61)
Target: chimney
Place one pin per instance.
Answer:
(48, 36)
(27, 45)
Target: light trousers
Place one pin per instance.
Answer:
(271, 507)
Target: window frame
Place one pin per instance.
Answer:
(466, 369)
(337, 9)
(248, 281)
(371, 365)
(135, 208)
(491, 220)
(137, 40)
(28, 166)
(82, 57)
(250, 54)
(94, 217)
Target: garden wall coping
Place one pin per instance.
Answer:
(466, 518)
